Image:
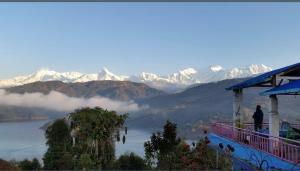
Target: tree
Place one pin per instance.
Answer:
(36, 164)
(29, 165)
(58, 155)
(160, 150)
(85, 161)
(96, 132)
(200, 158)
(66, 161)
(130, 162)
(167, 152)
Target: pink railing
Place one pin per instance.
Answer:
(250, 126)
(283, 148)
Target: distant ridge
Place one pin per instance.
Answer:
(117, 90)
(172, 82)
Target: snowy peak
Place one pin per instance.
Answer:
(247, 71)
(105, 71)
(180, 79)
(188, 71)
(105, 74)
(49, 75)
(148, 76)
(216, 68)
(256, 69)
(40, 74)
(44, 71)
(184, 77)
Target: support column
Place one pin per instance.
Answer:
(273, 113)
(274, 116)
(237, 106)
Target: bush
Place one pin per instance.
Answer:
(130, 162)
(30, 165)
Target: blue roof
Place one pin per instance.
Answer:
(262, 78)
(289, 88)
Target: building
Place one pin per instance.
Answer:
(277, 144)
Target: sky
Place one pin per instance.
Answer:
(129, 38)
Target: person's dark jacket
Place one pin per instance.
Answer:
(258, 116)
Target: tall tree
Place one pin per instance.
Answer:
(160, 150)
(59, 146)
(96, 131)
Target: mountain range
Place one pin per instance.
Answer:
(202, 98)
(194, 106)
(169, 83)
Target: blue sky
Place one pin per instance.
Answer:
(155, 37)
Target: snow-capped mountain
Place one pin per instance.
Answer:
(105, 74)
(180, 79)
(189, 76)
(217, 72)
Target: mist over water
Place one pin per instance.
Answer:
(60, 102)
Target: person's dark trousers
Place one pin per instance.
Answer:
(257, 126)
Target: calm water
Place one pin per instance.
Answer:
(20, 140)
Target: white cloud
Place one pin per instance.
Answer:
(60, 102)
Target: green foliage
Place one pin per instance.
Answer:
(96, 131)
(66, 161)
(29, 165)
(130, 162)
(58, 135)
(167, 152)
(58, 155)
(36, 164)
(85, 161)
(160, 149)
(203, 157)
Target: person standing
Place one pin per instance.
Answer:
(258, 117)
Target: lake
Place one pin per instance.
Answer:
(20, 140)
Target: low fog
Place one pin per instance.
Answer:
(60, 102)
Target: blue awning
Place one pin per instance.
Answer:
(263, 78)
(289, 88)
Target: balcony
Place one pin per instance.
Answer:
(283, 148)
